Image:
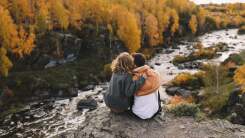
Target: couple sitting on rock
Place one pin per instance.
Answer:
(134, 86)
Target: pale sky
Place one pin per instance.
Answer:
(217, 1)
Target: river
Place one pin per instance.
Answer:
(55, 116)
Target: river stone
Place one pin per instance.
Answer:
(169, 51)
(172, 90)
(183, 92)
(158, 64)
(90, 104)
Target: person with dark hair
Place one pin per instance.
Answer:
(146, 99)
(122, 86)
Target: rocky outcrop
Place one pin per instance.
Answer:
(190, 65)
(236, 107)
(101, 123)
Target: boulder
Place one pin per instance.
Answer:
(174, 90)
(169, 51)
(90, 104)
(236, 106)
(158, 64)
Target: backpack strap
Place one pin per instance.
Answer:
(159, 102)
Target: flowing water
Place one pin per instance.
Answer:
(55, 116)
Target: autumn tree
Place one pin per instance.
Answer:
(25, 43)
(193, 24)
(42, 16)
(75, 8)
(201, 18)
(4, 3)
(59, 14)
(127, 28)
(21, 11)
(239, 77)
(174, 20)
(151, 26)
(8, 40)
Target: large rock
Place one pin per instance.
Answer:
(173, 90)
(236, 106)
(90, 104)
(101, 123)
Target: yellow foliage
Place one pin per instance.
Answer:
(43, 16)
(8, 32)
(201, 17)
(127, 24)
(193, 24)
(25, 43)
(175, 21)
(5, 63)
(4, 3)
(59, 14)
(182, 78)
(21, 10)
(152, 30)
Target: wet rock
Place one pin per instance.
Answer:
(89, 87)
(19, 135)
(236, 106)
(39, 115)
(51, 64)
(158, 64)
(90, 104)
(190, 65)
(234, 97)
(42, 94)
(183, 92)
(73, 92)
(172, 90)
(169, 51)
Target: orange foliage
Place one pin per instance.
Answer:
(59, 14)
(175, 100)
(239, 77)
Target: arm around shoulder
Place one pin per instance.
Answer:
(133, 85)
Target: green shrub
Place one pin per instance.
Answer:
(215, 100)
(220, 47)
(180, 59)
(215, 75)
(107, 71)
(238, 59)
(218, 86)
(200, 53)
(185, 109)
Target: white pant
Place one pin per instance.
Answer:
(146, 106)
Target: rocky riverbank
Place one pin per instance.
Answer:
(61, 117)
